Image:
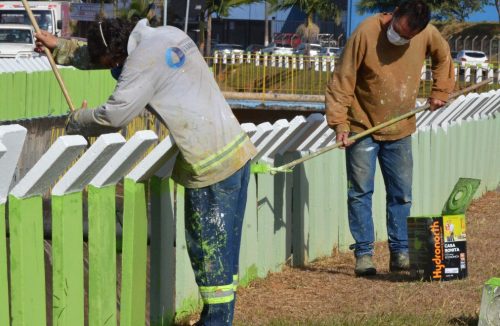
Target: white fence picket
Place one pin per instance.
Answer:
(12, 139)
(91, 162)
(50, 166)
(124, 159)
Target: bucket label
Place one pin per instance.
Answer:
(438, 247)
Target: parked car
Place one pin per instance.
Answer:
(277, 50)
(330, 51)
(314, 49)
(222, 48)
(254, 48)
(473, 58)
(16, 40)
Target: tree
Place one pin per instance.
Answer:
(372, 6)
(458, 10)
(496, 3)
(326, 9)
(221, 8)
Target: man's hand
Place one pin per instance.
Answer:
(435, 103)
(81, 122)
(72, 125)
(45, 39)
(343, 138)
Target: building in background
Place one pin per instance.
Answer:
(246, 24)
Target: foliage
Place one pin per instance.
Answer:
(139, 9)
(458, 10)
(496, 3)
(326, 9)
(221, 8)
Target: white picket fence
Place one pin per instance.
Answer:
(471, 73)
(460, 140)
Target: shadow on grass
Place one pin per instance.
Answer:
(349, 271)
(464, 321)
(342, 269)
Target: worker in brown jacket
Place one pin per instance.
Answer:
(378, 79)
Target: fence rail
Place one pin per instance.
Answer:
(295, 217)
(36, 94)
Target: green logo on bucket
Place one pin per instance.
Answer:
(461, 196)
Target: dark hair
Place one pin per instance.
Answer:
(417, 12)
(115, 33)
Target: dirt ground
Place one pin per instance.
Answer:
(328, 293)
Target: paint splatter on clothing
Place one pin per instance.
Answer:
(214, 219)
(377, 81)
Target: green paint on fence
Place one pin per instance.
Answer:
(19, 97)
(250, 274)
(29, 95)
(27, 261)
(248, 253)
(102, 255)
(185, 286)
(4, 287)
(134, 256)
(188, 306)
(162, 252)
(67, 260)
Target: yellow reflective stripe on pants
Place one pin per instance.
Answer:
(217, 294)
(235, 282)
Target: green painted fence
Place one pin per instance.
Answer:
(37, 94)
(290, 218)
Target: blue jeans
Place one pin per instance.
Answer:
(214, 218)
(396, 163)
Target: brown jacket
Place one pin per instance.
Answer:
(377, 81)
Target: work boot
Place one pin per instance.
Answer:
(400, 261)
(364, 266)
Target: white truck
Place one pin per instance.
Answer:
(52, 16)
(17, 41)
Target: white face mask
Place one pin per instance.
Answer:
(395, 38)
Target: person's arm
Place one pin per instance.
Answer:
(66, 52)
(340, 90)
(443, 72)
(134, 90)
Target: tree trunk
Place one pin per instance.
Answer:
(202, 40)
(497, 5)
(208, 42)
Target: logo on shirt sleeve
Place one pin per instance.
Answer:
(175, 58)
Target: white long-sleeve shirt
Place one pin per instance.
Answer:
(165, 71)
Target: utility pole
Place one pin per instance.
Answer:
(266, 27)
(165, 4)
(349, 18)
(187, 17)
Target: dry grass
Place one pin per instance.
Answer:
(328, 293)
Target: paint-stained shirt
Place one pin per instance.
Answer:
(166, 72)
(376, 81)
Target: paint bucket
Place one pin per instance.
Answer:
(437, 244)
